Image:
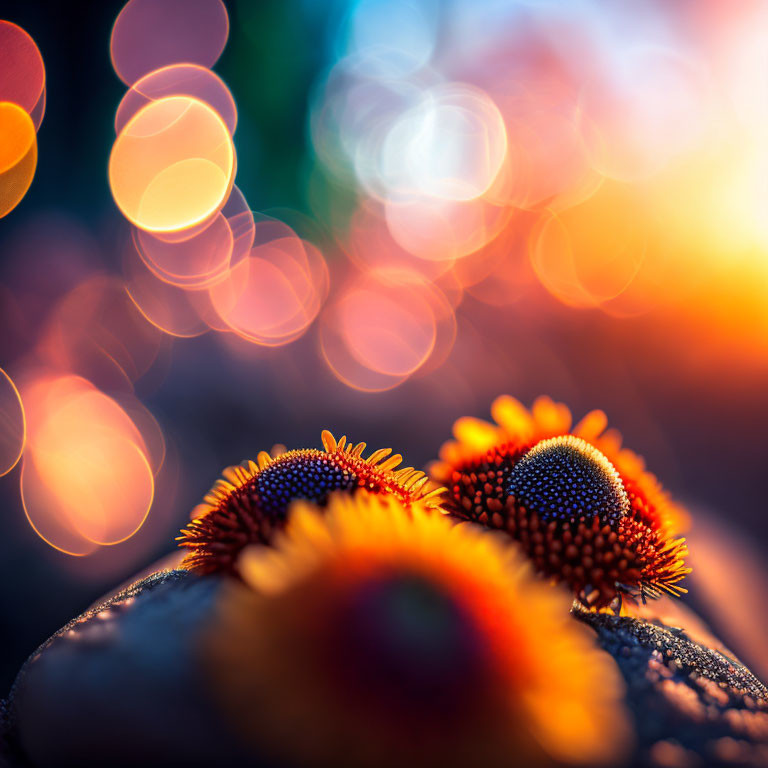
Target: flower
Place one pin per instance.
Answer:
(251, 500)
(376, 634)
(583, 508)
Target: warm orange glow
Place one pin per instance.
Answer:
(13, 429)
(589, 254)
(152, 439)
(18, 155)
(43, 511)
(22, 73)
(499, 273)
(542, 691)
(17, 135)
(86, 479)
(173, 165)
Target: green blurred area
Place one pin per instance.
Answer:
(277, 52)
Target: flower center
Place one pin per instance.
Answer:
(306, 474)
(408, 641)
(566, 478)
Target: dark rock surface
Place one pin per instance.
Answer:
(692, 705)
(121, 685)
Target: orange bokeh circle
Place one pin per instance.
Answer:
(18, 155)
(173, 165)
(86, 479)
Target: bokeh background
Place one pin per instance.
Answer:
(657, 313)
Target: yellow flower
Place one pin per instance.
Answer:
(584, 509)
(250, 502)
(377, 635)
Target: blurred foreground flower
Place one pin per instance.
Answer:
(370, 623)
(373, 634)
(585, 510)
(251, 501)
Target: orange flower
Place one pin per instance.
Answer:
(372, 634)
(583, 508)
(251, 501)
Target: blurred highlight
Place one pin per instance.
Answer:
(13, 427)
(86, 480)
(150, 34)
(22, 72)
(173, 165)
(471, 154)
(178, 80)
(18, 155)
(382, 633)
(521, 142)
(22, 105)
(199, 259)
(471, 166)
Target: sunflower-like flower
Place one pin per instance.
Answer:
(251, 500)
(372, 634)
(584, 509)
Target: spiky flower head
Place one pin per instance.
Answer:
(584, 509)
(376, 635)
(250, 502)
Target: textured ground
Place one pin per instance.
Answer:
(693, 704)
(121, 685)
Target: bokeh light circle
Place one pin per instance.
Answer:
(13, 429)
(166, 306)
(150, 34)
(272, 296)
(195, 263)
(96, 332)
(392, 38)
(22, 73)
(173, 166)
(178, 80)
(379, 330)
(579, 259)
(444, 230)
(18, 155)
(450, 146)
(86, 479)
